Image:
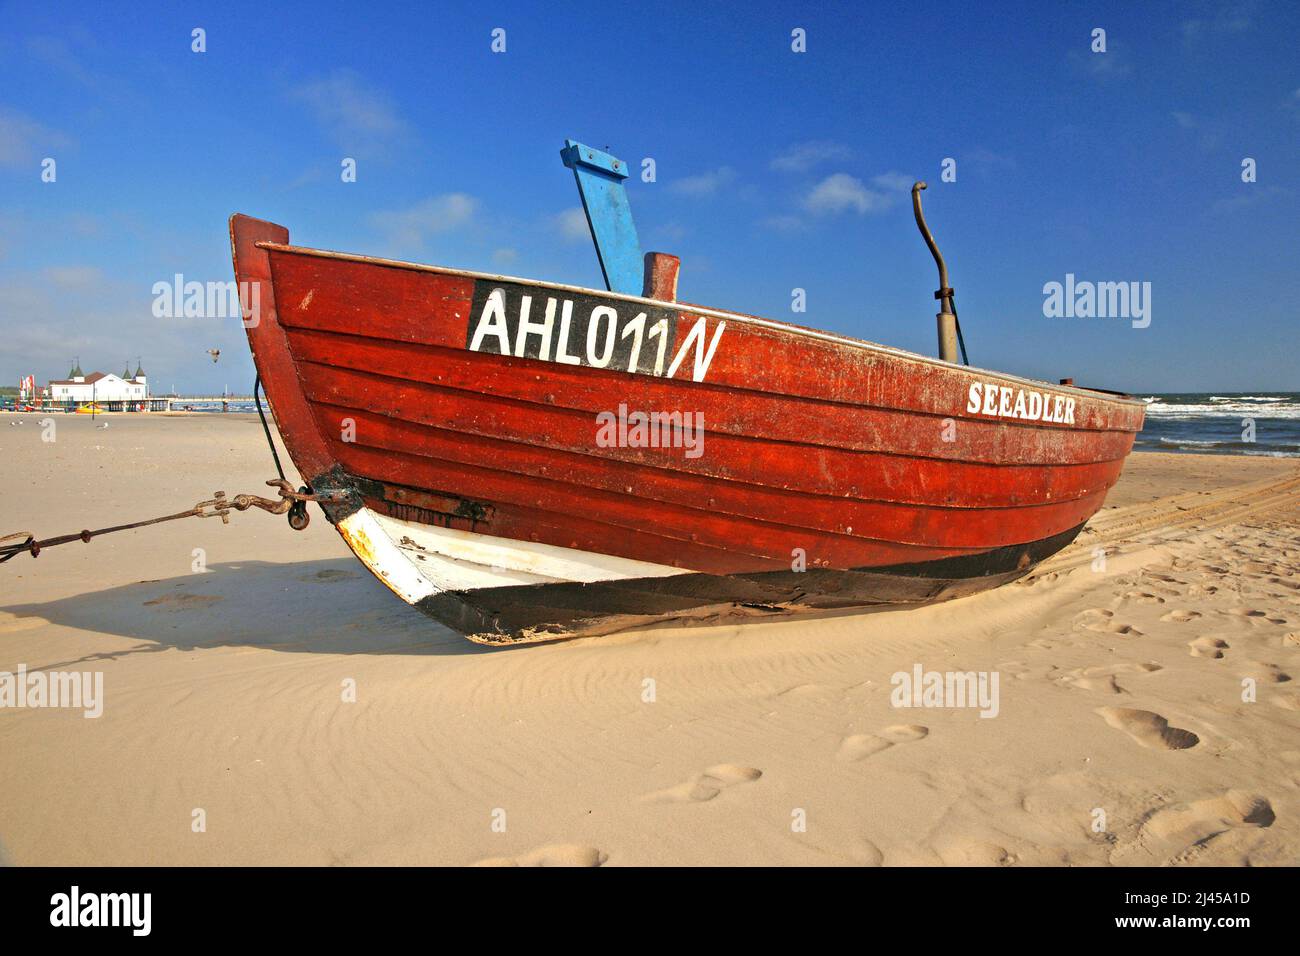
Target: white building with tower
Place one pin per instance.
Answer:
(100, 386)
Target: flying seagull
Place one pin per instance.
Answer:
(215, 353)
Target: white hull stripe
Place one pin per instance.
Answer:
(417, 560)
(371, 544)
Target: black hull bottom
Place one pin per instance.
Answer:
(553, 612)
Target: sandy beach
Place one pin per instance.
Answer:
(1121, 734)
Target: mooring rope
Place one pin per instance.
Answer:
(218, 506)
(293, 503)
(257, 400)
(961, 341)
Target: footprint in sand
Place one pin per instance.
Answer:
(1165, 578)
(1093, 614)
(1291, 640)
(1103, 621)
(1092, 678)
(563, 854)
(1043, 644)
(1211, 647)
(706, 785)
(967, 852)
(1191, 826)
(1103, 678)
(1144, 597)
(1249, 613)
(1182, 617)
(1166, 591)
(861, 746)
(1148, 729)
(865, 853)
(1265, 673)
(1017, 670)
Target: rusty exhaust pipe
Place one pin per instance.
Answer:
(950, 337)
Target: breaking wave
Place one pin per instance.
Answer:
(1221, 424)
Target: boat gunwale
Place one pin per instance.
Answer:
(689, 309)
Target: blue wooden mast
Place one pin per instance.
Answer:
(600, 182)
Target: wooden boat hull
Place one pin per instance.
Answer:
(494, 443)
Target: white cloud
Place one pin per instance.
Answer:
(668, 232)
(1230, 18)
(24, 141)
(1247, 198)
(85, 312)
(58, 54)
(572, 224)
(429, 217)
(841, 192)
(504, 256)
(784, 223)
(1104, 67)
(357, 117)
(986, 162)
(1209, 131)
(804, 156)
(67, 57)
(1109, 64)
(893, 182)
(704, 184)
(73, 276)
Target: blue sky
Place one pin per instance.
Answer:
(776, 170)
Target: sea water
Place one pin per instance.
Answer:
(1257, 423)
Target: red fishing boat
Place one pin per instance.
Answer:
(528, 461)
